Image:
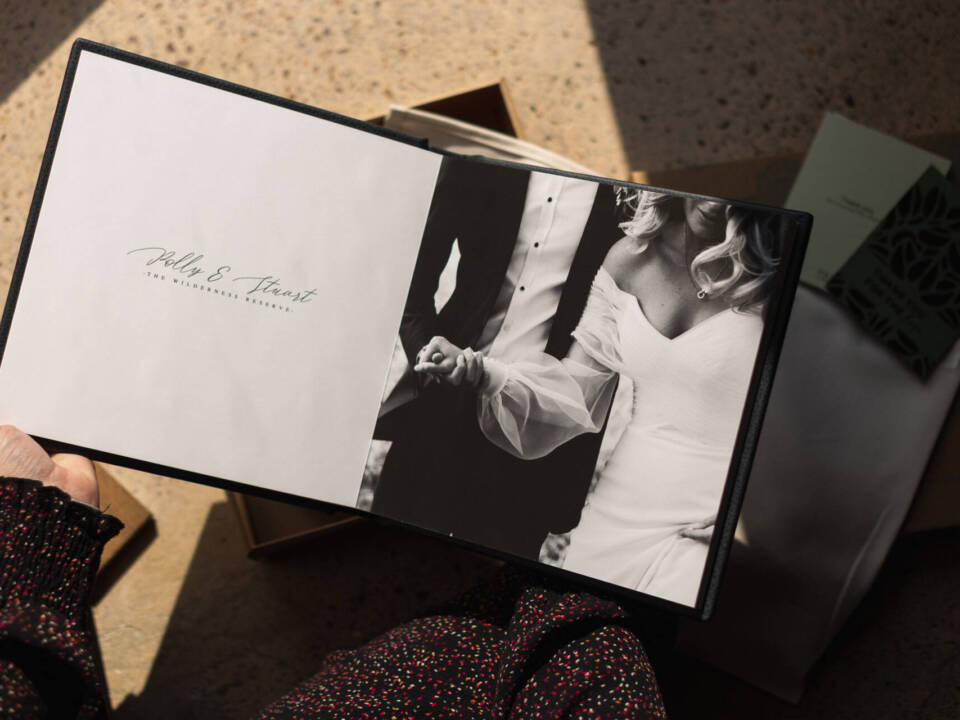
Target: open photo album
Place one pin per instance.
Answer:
(232, 288)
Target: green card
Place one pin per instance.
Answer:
(851, 178)
(903, 283)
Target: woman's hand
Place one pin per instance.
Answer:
(444, 361)
(472, 364)
(467, 370)
(701, 532)
(437, 358)
(22, 457)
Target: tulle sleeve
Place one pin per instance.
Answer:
(533, 406)
(598, 331)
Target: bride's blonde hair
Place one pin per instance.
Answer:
(743, 257)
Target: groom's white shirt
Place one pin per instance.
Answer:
(555, 213)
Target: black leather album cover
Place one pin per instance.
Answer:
(568, 372)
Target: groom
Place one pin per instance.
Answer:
(530, 244)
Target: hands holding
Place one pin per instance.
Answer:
(22, 457)
(445, 362)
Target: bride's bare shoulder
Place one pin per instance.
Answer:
(621, 260)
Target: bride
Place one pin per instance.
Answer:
(676, 308)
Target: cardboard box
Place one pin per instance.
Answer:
(768, 180)
(268, 525)
(122, 550)
(488, 106)
(117, 501)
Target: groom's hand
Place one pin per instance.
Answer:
(554, 549)
(438, 358)
(467, 370)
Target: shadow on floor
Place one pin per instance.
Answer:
(692, 83)
(244, 632)
(31, 30)
(110, 574)
(663, 62)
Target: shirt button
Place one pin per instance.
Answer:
(536, 244)
(549, 199)
(522, 288)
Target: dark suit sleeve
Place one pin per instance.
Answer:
(420, 322)
(575, 461)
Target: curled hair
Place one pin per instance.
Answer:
(743, 249)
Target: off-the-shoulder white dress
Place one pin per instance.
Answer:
(663, 481)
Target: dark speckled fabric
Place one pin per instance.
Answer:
(509, 649)
(512, 649)
(49, 659)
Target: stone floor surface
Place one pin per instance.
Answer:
(194, 628)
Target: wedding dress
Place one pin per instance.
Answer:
(647, 522)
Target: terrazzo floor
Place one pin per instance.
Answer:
(194, 628)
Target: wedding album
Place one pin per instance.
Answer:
(232, 288)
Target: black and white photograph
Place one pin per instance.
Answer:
(572, 369)
(527, 358)
(539, 364)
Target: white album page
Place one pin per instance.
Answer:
(215, 282)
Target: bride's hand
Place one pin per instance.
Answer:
(467, 370)
(702, 532)
(458, 368)
(437, 358)
(473, 371)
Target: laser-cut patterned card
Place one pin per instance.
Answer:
(850, 179)
(903, 283)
